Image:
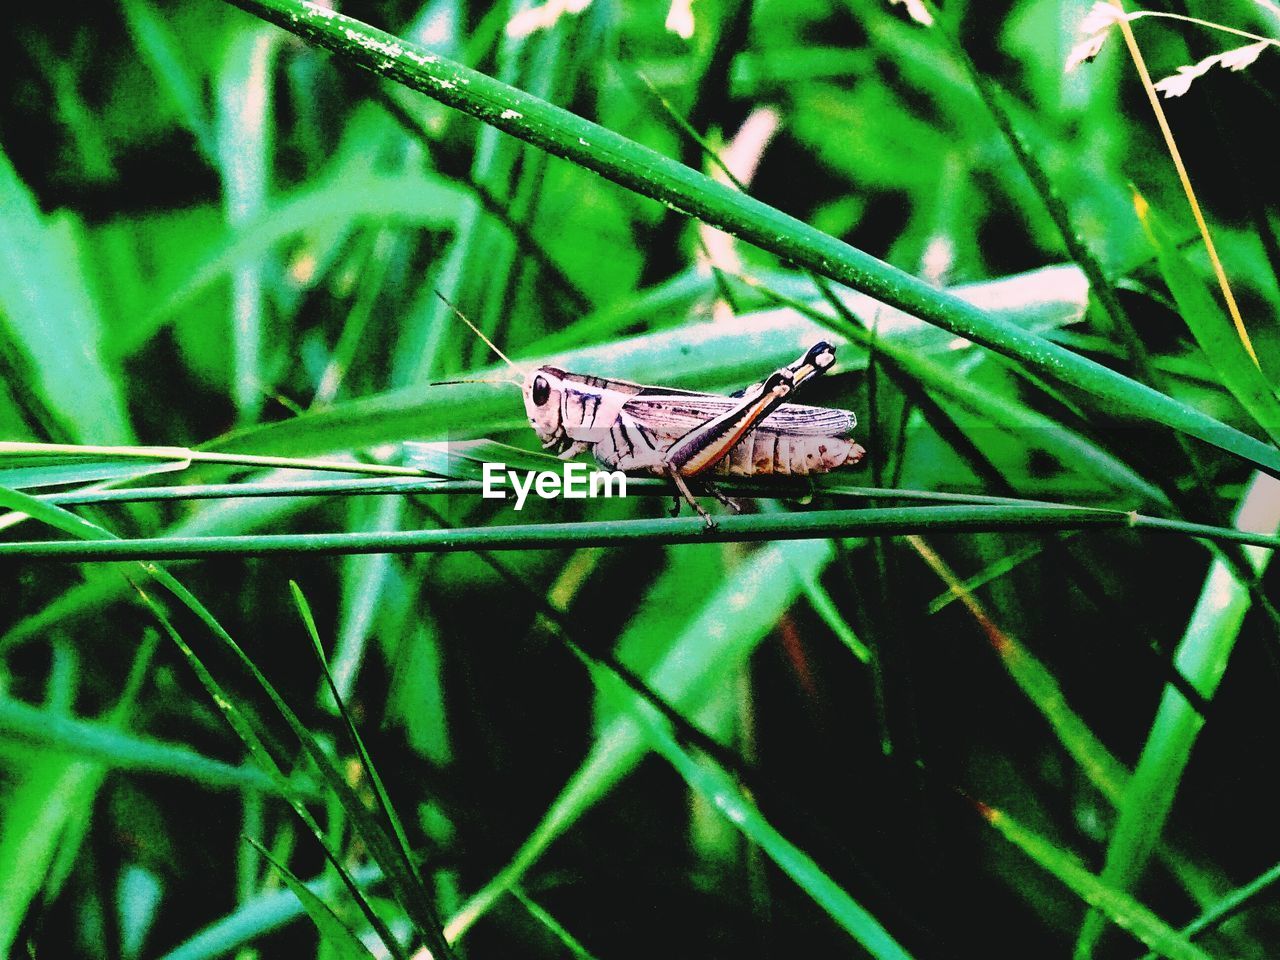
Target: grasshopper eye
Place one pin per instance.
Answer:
(541, 391)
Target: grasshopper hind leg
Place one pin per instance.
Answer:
(687, 496)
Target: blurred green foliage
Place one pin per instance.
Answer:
(213, 234)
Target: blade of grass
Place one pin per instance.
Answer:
(105, 743)
(1237, 368)
(648, 172)
(1201, 657)
(817, 524)
(262, 915)
(23, 452)
(243, 128)
(1229, 905)
(366, 762)
(636, 486)
(44, 305)
(745, 528)
(714, 785)
(557, 929)
(715, 639)
(257, 747)
(333, 931)
(42, 470)
(1184, 178)
(1125, 911)
(164, 55)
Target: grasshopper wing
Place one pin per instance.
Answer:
(672, 414)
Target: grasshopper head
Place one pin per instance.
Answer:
(543, 395)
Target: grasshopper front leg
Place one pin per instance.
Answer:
(703, 447)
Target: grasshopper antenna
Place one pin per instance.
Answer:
(475, 330)
(445, 383)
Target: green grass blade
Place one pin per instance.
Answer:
(727, 797)
(254, 742)
(1230, 904)
(259, 916)
(243, 127)
(1116, 904)
(1202, 657)
(1211, 327)
(816, 524)
(44, 306)
(333, 931)
(714, 641)
(648, 172)
(164, 55)
(384, 802)
(22, 472)
(557, 929)
(113, 748)
(24, 452)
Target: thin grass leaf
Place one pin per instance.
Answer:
(164, 55)
(733, 528)
(830, 614)
(264, 914)
(343, 198)
(1220, 272)
(333, 931)
(366, 762)
(998, 568)
(113, 748)
(45, 305)
(1212, 329)
(254, 742)
(23, 452)
(713, 784)
(1229, 905)
(20, 472)
(243, 726)
(816, 524)
(48, 810)
(1125, 911)
(1201, 657)
(648, 172)
(400, 871)
(557, 929)
(243, 127)
(713, 642)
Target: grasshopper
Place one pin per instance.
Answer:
(686, 435)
